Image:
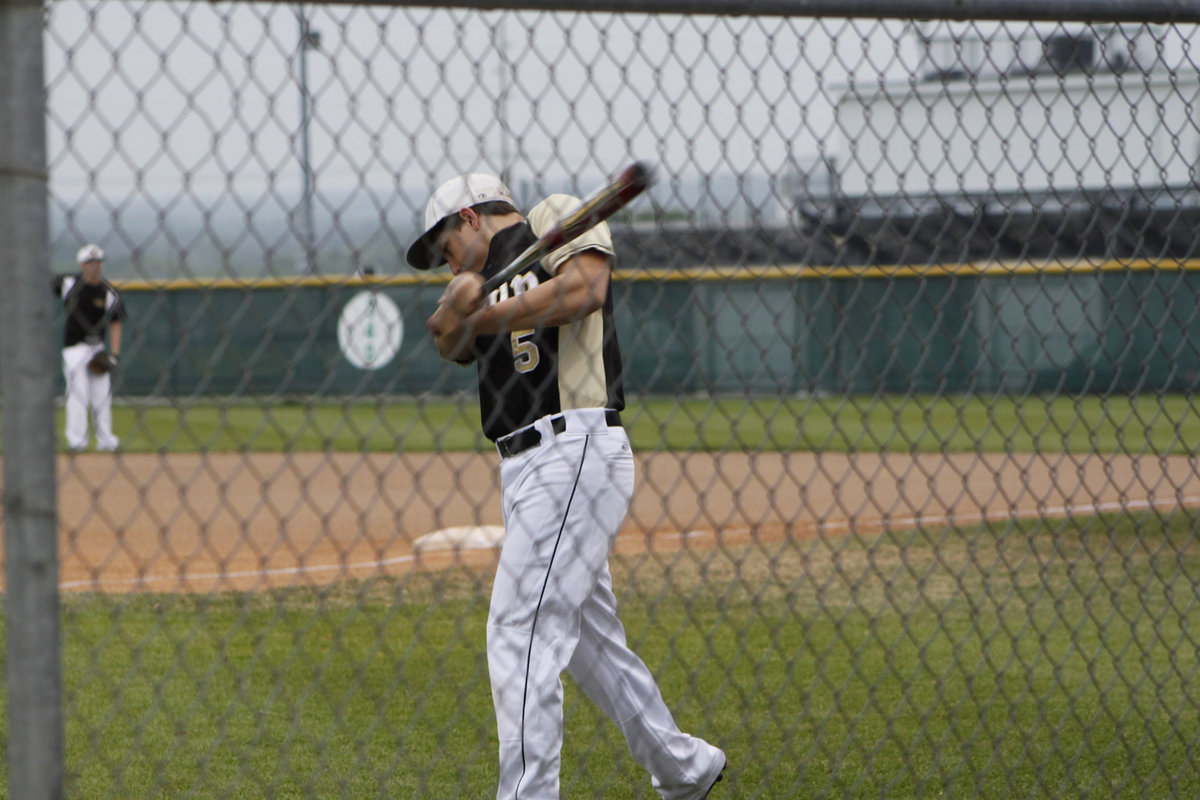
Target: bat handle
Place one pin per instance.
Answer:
(521, 262)
(492, 283)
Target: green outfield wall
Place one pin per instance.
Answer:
(1116, 327)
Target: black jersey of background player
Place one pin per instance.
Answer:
(525, 375)
(90, 307)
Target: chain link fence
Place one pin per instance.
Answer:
(909, 324)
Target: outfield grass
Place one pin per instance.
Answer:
(1163, 424)
(1050, 659)
(1055, 659)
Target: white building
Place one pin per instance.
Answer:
(1002, 110)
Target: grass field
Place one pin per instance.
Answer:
(1164, 424)
(1033, 659)
(1041, 660)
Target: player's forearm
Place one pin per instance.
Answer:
(570, 297)
(114, 338)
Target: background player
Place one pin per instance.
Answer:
(94, 310)
(550, 394)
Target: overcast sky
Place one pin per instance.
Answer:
(196, 104)
(153, 91)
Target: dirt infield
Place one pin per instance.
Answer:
(148, 522)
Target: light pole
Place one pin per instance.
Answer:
(309, 40)
(504, 72)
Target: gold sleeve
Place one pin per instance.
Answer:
(542, 218)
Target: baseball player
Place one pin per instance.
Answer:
(550, 397)
(94, 309)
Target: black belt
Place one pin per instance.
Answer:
(517, 443)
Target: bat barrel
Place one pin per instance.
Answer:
(641, 175)
(599, 206)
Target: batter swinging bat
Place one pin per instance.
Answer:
(594, 209)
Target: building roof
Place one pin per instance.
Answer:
(1101, 224)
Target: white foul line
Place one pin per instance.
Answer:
(1047, 511)
(1010, 514)
(218, 576)
(902, 522)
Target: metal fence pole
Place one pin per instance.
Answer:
(27, 372)
(308, 41)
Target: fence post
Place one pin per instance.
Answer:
(27, 373)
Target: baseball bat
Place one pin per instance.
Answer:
(592, 210)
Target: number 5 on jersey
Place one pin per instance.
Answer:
(525, 353)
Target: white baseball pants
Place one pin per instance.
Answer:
(553, 609)
(87, 391)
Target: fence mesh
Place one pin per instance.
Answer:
(908, 323)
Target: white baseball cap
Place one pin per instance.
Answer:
(462, 191)
(89, 252)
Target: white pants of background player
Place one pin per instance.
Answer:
(553, 609)
(87, 391)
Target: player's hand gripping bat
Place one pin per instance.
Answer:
(461, 297)
(593, 209)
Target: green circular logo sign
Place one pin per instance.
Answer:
(370, 330)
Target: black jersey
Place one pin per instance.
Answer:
(525, 375)
(90, 308)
